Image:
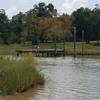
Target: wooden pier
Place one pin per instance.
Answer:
(42, 52)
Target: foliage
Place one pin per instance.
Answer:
(42, 23)
(43, 10)
(87, 20)
(66, 25)
(16, 25)
(49, 26)
(4, 27)
(18, 74)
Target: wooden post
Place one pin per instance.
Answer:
(55, 45)
(37, 51)
(74, 41)
(64, 44)
(82, 42)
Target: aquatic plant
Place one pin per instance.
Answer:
(18, 74)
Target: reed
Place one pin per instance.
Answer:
(18, 74)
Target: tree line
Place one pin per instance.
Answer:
(43, 24)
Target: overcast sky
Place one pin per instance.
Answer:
(12, 7)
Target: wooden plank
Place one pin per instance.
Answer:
(39, 52)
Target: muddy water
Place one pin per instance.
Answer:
(66, 79)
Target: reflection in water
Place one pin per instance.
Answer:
(68, 79)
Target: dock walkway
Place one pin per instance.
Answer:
(41, 52)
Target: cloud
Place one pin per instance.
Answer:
(15, 6)
(69, 6)
(12, 11)
(12, 7)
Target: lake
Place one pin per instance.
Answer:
(66, 79)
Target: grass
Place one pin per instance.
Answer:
(18, 74)
(91, 48)
(10, 49)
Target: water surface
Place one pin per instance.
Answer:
(67, 79)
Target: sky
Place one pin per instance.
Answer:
(12, 7)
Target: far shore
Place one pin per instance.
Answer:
(89, 49)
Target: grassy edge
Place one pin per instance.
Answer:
(18, 74)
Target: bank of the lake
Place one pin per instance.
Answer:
(18, 74)
(88, 49)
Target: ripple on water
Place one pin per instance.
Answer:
(68, 79)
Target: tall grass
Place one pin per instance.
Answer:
(18, 74)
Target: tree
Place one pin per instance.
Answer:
(67, 26)
(42, 23)
(96, 23)
(49, 27)
(43, 10)
(81, 20)
(16, 24)
(88, 20)
(30, 25)
(50, 9)
(4, 26)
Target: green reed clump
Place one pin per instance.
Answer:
(18, 74)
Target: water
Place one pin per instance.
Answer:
(67, 79)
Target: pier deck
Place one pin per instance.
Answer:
(42, 52)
